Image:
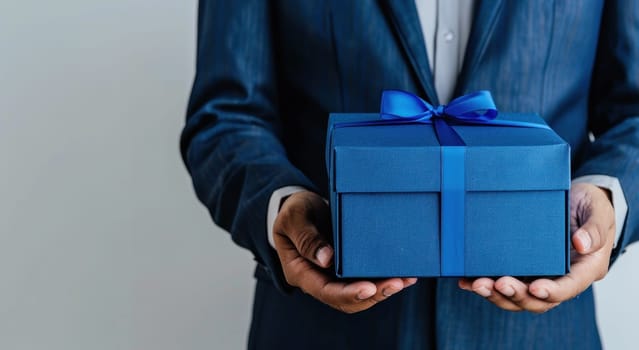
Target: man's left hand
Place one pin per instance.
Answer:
(593, 235)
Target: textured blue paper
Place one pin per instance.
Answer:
(385, 196)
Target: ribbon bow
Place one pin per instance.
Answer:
(476, 107)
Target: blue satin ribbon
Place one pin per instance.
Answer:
(477, 108)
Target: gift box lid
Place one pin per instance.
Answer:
(406, 158)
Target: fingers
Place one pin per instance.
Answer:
(543, 294)
(517, 292)
(356, 296)
(507, 293)
(484, 287)
(409, 281)
(346, 297)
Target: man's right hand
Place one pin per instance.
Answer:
(300, 231)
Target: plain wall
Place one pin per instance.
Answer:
(102, 242)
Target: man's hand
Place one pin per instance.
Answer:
(592, 220)
(300, 231)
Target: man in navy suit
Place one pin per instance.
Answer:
(268, 74)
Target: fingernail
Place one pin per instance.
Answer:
(364, 294)
(507, 291)
(462, 284)
(323, 255)
(584, 237)
(483, 291)
(388, 292)
(541, 293)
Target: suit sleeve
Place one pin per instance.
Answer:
(230, 143)
(614, 108)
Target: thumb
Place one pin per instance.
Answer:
(597, 217)
(296, 222)
(311, 245)
(587, 238)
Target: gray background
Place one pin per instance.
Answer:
(102, 243)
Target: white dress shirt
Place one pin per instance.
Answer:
(446, 26)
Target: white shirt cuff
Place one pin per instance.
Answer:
(274, 207)
(618, 199)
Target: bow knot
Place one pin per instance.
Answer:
(439, 111)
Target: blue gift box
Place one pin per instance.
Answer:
(387, 183)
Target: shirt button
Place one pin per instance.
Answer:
(449, 36)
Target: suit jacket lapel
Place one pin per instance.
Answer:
(403, 17)
(484, 22)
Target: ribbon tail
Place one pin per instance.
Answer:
(517, 124)
(446, 135)
(501, 122)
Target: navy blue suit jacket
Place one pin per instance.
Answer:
(269, 73)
